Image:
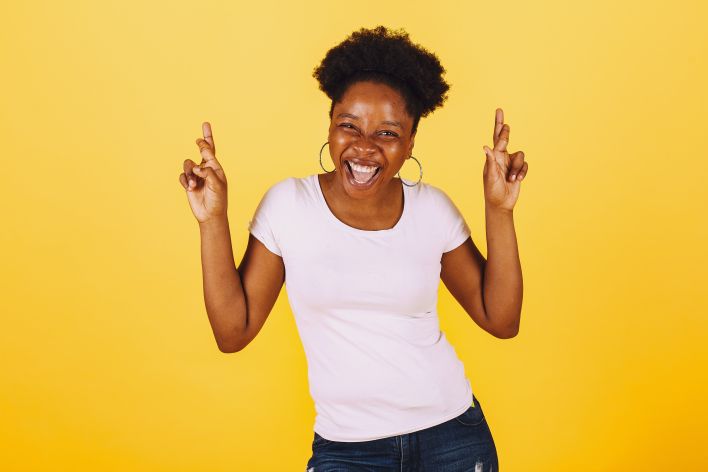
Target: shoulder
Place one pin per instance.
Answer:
(282, 188)
(449, 223)
(434, 198)
(291, 186)
(281, 191)
(285, 194)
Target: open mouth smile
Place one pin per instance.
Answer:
(360, 176)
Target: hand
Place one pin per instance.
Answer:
(503, 172)
(205, 183)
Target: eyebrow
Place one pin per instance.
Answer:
(386, 122)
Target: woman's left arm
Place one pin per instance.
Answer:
(491, 291)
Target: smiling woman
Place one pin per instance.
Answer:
(362, 253)
(380, 84)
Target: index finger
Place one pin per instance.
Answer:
(205, 150)
(503, 139)
(208, 136)
(498, 124)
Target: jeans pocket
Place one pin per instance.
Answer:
(473, 416)
(320, 441)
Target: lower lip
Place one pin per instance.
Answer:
(355, 184)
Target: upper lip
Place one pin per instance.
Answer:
(363, 162)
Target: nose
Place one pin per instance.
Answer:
(365, 146)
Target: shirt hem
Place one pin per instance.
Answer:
(448, 417)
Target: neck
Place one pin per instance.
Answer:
(371, 205)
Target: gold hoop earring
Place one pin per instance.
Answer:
(421, 173)
(328, 171)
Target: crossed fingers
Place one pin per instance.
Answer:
(206, 145)
(189, 178)
(499, 128)
(516, 166)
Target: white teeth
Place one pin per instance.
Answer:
(359, 168)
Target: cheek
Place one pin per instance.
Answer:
(338, 144)
(339, 141)
(393, 151)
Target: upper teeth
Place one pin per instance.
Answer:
(362, 168)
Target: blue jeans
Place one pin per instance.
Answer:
(461, 444)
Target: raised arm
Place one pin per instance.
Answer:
(237, 301)
(491, 290)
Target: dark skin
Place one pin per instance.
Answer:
(369, 122)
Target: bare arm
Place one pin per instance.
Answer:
(462, 272)
(503, 283)
(491, 291)
(237, 301)
(224, 298)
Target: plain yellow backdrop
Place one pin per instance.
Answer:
(108, 360)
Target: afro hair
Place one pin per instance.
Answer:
(385, 56)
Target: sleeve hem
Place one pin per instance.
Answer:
(455, 243)
(270, 246)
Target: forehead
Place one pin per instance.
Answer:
(366, 97)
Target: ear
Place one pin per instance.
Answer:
(411, 144)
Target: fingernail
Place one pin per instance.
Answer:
(513, 177)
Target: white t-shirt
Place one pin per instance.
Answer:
(365, 308)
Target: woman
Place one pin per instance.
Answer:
(361, 253)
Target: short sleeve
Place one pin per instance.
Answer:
(455, 228)
(264, 225)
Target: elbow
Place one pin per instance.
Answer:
(228, 349)
(230, 337)
(229, 345)
(506, 332)
(502, 323)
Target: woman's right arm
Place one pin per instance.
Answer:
(238, 301)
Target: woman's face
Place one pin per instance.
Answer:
(370, 127)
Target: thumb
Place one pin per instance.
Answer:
(490, 165)
(489, 161)
(208, 174)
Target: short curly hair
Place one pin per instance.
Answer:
(385, 56)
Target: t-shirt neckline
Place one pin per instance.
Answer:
(330, 216)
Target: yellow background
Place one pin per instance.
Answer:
(108, 360)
